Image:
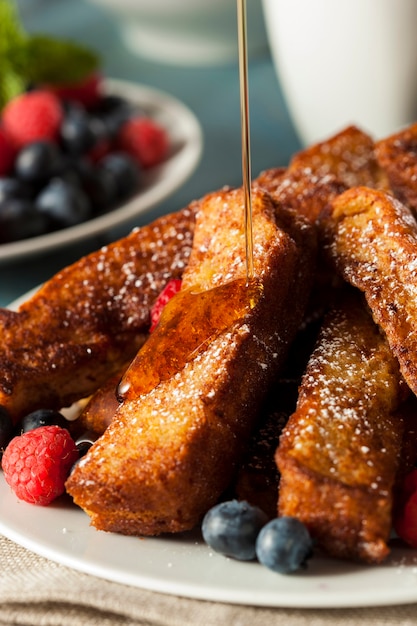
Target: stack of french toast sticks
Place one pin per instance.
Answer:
(293, 389)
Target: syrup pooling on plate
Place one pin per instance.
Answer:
(189, 321)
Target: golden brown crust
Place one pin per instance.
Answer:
(339, 453)
(397, 155)
(301, 190)
(318, 174)
(349, 156)
(371, 239)
(170, 453)
(90, 318)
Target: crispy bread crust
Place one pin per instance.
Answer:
(349, 156)
(90, 318)
(397, 155)
(318, 174)
(371, 239)
(339, 453)
(169, 454)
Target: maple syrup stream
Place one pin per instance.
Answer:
(244, 121)
(193, 318)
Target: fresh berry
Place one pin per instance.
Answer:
(87, 92)
(145, 140)
(124, 172)
(84, 442)
(81, 132)
(284, 545)
(36, 464)
(40, 417)
(115, 111)
(172, 287)
(100, 187)
(14, 188)
(6, 154)
(19, 219)
(65, 204)
(38, 161)
(231, 528)
(405, 520)
(31, 116)
(66, 165)
(6, 428)
(405, 510)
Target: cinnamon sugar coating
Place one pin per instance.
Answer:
(371, 238)
(169, 454)
(90, 318)
(339, 453)
(397, 155)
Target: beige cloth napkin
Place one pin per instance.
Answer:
(35, 591)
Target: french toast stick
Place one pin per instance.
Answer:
(371, 239)
(322, 171)
(90, 318)
(349, 156)
(397, 156)
(171, 451)
(340, 450)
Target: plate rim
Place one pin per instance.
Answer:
(180, 165)
(319, 596)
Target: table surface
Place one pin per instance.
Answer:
(211, 92)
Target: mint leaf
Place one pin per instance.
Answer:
(58, 62)
(13, 54)
(11, 85)
(37, 59)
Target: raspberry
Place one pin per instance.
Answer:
(87, 92)
(405, 512)
(32, 116)
(37, 463)
(166, 294)
(6, 154)
(145, 140)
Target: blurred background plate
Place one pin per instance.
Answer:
(158, 183)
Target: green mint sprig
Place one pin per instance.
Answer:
(13, 51)
(37, 59)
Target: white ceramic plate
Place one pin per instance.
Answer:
(183, 565)
(159, 183)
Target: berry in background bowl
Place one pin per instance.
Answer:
(79, 154)
(70, 171)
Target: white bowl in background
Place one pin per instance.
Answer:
(345, 62)
(187, 32)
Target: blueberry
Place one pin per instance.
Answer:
(232, 527)
(41, 417)
(19, 219)
(114, 111)
(101, 189)
(64, 203)
(124, 171)
(80, 132)
(6, 427)
(284, 545)
(84, 442)
(14, 188)
(38, 161)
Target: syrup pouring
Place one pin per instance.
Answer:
(245, 130)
